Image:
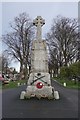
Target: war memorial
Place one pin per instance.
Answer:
(39, 82)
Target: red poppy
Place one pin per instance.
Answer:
(39, 85)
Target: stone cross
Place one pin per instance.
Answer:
(39, 22)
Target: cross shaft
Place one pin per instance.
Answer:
(39, 22)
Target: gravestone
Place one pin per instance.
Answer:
(39, 83)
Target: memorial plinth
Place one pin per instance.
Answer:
(39, 83)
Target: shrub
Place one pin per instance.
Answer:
(64, 72)
(72, 70)
(75, 69)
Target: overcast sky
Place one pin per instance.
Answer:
(47, 10)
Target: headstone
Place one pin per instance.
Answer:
(39, 83)
(24, 83)
(18, 84)
(64, 84)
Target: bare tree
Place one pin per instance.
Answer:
(19, 40)
(62, 41)
(5, 61)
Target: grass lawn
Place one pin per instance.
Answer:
(0, 86)
(69, 83)
(13, 84)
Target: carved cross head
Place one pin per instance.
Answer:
(39, 21)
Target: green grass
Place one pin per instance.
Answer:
(0, 85)
(13, 84)
(69, 83)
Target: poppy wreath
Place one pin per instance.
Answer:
(39, 85)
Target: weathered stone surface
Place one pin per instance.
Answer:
(46, 90)
(56, 95)
(39, 22)
(39, 57)
(44, 78)
(22, 96)
(39, 83)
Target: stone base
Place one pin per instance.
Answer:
(39, 85)
(33, 91)
(56, 95)
(22, 96)
(30, 94)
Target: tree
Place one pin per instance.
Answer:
(53, 62)
(78, 46)
(0, 63)
(71, 72)
(65, 72)
(62, 40)
(5, 61)
(19, 40)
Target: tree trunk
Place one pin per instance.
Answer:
(21, 70)
(26, 72)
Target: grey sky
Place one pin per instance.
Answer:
(47, 10)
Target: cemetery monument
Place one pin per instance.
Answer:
(39, 83)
